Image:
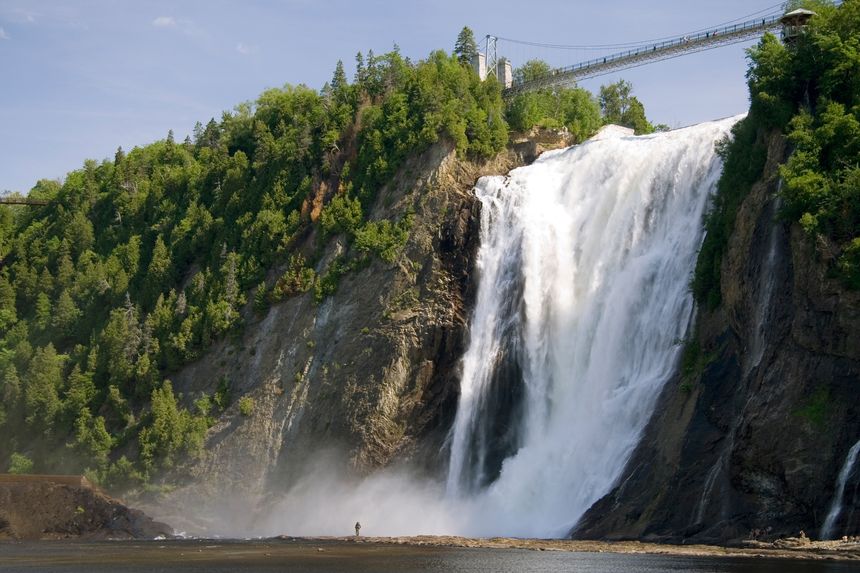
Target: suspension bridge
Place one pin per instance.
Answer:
(791, 24)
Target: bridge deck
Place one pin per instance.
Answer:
(649, 53)
(21, 201)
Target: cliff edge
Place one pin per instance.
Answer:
(749, 438)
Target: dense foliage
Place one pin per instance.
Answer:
(809, 90)
(621, 107)
(574, 109)
(138, 264)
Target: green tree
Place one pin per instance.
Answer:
(92, 439)
(162, 439)
(339, 83)
(531, 70)
(261, 298)
(621, 107)
(43, 311)
(66, 313)
(8, 312)
(10, 393)
(574, 109)
(42, 384)
(20, 464)
(81, 391)
(341, 215)
(172, 431)
(246, 405)
(120, 344)
(466, 48)
(158, 274)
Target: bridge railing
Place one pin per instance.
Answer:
(675, 43)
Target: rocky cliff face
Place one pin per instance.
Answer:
(370, 373)
(755, 436)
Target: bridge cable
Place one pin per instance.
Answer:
(642, 42)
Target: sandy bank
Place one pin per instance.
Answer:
(782, 549)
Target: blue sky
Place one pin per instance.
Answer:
(81, 78)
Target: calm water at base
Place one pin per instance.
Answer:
(285, 556)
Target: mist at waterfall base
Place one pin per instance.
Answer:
(583, 296)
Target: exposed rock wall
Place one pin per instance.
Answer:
(372, 372)
(756, 440)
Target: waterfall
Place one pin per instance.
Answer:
(836, 505)
(767, 281)
(584, 269)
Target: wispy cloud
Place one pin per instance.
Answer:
(245, 49)
(27, 16)
(19, 15)
(3, 34)
(164, 22)
(180, 25)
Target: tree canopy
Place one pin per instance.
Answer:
(531, 70)
(810, 91)
(621, 107)
(466, 48)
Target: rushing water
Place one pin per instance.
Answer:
(827, 530)
(584, 269)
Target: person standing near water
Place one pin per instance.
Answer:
(357, 528)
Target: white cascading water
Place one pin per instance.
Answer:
(766, 287)
(584, 269)
(836, 505)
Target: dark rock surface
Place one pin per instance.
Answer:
(757, 440)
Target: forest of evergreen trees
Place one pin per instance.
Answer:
(137, 264)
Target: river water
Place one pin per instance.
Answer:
(199, 556)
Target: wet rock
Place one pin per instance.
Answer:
(757, 440)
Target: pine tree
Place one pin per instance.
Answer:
(65, 268)
(8, 314)
(66, 313)
(159, 270)
(41, 397)
(338, 80)
(261, 301)
(43, 311)
(198, 133)
(466, 48)
(81, 391)
(92, 439)
(359, 68)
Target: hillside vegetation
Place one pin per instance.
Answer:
(139, 263)
(810, 91)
